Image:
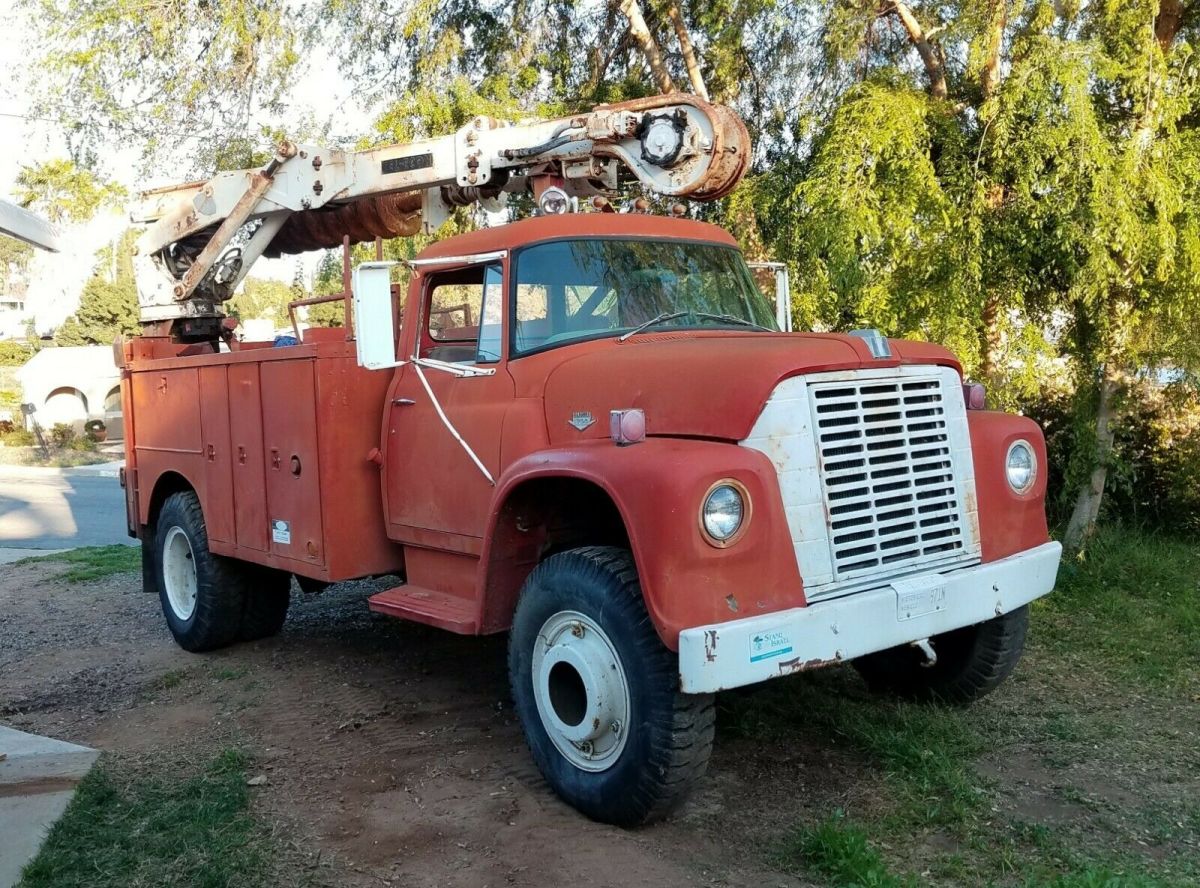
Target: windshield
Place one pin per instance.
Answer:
(578, 289)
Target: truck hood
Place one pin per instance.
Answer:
(702, 384)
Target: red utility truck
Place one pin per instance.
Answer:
(587, 430)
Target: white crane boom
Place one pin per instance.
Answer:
(308, 197)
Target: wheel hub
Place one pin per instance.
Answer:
(179, 573)
(581, 691)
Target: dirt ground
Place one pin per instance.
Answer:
(391, 755)
(389, 748)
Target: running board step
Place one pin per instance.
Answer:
(427, 606)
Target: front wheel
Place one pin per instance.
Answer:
(598, 694)
(971, 662)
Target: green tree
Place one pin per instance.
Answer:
(108, 305)
(64, 192)
(261, 299)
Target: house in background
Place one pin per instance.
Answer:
(73, 385)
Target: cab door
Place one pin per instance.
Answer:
(436, 492)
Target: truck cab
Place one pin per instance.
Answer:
(588, 431)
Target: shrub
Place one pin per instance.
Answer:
(62, 434)
(14, 354)
(18, 438)
(1154, 475)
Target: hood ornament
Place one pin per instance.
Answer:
(876, 342)
(581, 420)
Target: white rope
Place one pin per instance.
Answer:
(453, 431)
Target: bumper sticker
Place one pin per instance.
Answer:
(765, 645)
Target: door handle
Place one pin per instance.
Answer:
(403, 402)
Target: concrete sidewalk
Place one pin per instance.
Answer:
(37, 779)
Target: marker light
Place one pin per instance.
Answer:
(1020, 466)
(975, 394)
(724, 512)
(554, 201)
(627, 426)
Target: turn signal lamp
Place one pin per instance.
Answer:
(975, 394)
(627, 426)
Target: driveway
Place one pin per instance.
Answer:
(61, 508)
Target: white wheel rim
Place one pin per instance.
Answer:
(581, 691)
(179, 573)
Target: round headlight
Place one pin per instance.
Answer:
(724, 512)
(1020, 466)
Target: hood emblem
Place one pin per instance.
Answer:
(582, 420)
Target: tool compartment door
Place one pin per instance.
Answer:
(214, 427)
(246, 455)
(293, 477)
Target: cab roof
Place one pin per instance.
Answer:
(541, 228)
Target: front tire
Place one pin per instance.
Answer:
(597, 692)
(971, 662)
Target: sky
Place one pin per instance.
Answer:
(321, 90)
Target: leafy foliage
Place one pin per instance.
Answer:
(108, 306)
(64, 192)
(14, 354)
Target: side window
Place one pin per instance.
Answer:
(454, 309)
(491, 320)
(463, 317)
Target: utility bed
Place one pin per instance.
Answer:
(277, 442)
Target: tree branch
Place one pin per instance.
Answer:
(934, 67)
(649, 47)
(989, 76)
(689, 52)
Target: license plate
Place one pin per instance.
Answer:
(919, 596)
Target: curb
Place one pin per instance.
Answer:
(38, 776)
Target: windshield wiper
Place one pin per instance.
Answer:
(730, 319)
(665, 316)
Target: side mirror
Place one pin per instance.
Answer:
(374, 316)
(783, 292)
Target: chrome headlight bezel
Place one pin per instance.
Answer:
(717, 536)
(1009, 468)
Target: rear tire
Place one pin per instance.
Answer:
(597, 692)
(210, 601)
(268, 593)
(971, 662)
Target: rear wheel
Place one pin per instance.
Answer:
(598, 694)
(210, 601)
(971, 662)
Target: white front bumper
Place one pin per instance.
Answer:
(742, 652)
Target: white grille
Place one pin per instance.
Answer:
(887, 472)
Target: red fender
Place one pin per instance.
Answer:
(657, 487)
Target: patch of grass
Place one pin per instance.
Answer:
(168, 680)
(230, 673)
(927, 752)
(840, 851)
(1070, 799)
(94, 562)
(194, 831)
(1131, 606)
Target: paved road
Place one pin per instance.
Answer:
(61, 508)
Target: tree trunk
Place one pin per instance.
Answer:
(930, 57)
(649, 47)
(989, 338)
(989, 77)
(1167, 23)
(688, 51)
(1087, 505)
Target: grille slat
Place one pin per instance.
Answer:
(887, 472)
